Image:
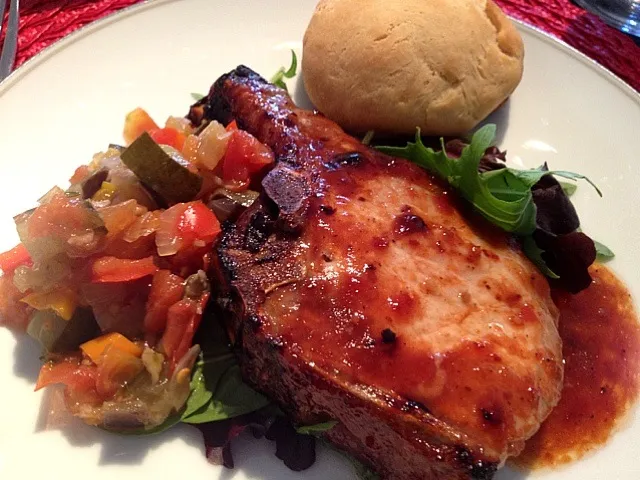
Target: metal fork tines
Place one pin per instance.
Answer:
(8, 55)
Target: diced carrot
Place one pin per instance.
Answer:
(94, 349)
(137, 122)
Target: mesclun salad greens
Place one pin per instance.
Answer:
(531, 204)
(279, 78)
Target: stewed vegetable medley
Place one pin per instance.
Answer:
(109, 275)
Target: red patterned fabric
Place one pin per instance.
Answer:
(583, 31)
(43, 22)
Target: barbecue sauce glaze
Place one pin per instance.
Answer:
(601, 348)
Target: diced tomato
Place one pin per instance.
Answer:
(117, 368)
(197, 222)
(166, 289)
(123, 221)
(183, 319)
(141, 248)
(80, 174)
(186, 233)
(168, 136)
(62, 217)
(137, 122)
(112, 269)
(13, 312)
(232, 126)
(245, 156)
(187, 225)
(137, 240)
(80, 380)
(13, 258)
(73, 225)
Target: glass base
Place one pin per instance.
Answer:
(621, 14)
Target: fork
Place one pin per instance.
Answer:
(8, 55)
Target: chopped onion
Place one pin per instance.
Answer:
(143, 226)
(128, 187)
(207, 149)
(118, 217)
(187, 361)
(43, 276)
(84, 245)
(153, 362)
(181, 124)
(44, 248)
(167, 241)
(109, 159)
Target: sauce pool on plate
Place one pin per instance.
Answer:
(601, 347)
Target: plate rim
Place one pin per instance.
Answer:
(49, 52)
(103, 22)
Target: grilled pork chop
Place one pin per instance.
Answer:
(359, 290)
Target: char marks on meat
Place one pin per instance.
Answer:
(357, 289)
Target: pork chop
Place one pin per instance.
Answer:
(359, 289)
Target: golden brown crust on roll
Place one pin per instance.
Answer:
(394, 65)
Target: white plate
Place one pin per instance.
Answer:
(70, 102)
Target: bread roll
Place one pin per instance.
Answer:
(394, 65)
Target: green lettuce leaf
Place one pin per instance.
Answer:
(217, 389)
(317, 428)
(603, 253)
(282, 74)
(503, 196)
